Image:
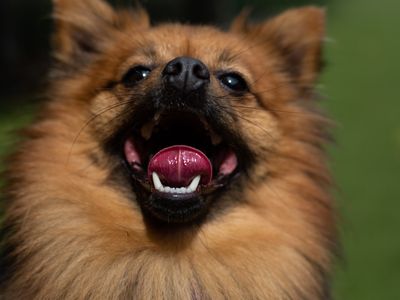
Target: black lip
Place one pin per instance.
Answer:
(170, 210)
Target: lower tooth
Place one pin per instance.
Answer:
(171, 190)
(157, 118)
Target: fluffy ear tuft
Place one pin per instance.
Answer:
(297, 36)
(85, 28)
(240, 23)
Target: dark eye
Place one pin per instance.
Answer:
(135, 75)
(234, 82)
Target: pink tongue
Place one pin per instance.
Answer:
(178, 165)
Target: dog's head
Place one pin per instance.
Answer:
(187, 117)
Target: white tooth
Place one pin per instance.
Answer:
(205, 124)
(157, 118)
(182, 190)
(157, 182)
(195, 183)
(147, 130)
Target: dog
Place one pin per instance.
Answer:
(173, 162)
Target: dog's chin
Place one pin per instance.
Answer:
(161, 208)
(178, 163)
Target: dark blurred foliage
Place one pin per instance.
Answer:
(24, 33)
(25, 30)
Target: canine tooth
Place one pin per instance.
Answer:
(147, 130)
(157, 182)
(205, 124)
(167, 189)
(195, 183)
(157, 118)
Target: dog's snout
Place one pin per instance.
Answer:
(186, 74)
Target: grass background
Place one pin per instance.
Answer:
(363, 97)
(361, 84)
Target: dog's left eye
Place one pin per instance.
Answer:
(135, 75)
(234, 82)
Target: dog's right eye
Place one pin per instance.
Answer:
(135, 75)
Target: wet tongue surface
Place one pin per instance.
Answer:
(178, 165)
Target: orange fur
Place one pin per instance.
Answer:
(71, 234)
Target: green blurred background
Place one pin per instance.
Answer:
(360, 92)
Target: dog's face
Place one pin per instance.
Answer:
(184, 116)
(190, 117)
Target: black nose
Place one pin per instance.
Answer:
(186, 74)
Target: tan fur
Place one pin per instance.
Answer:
(75, 236)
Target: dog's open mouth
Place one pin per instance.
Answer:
(179, 156)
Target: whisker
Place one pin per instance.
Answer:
(91, 119)
(302, 113)
(226, 108)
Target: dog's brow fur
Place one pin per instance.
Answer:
(149, 51)
(226, 56)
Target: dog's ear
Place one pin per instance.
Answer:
(296, 35)
(84, 28)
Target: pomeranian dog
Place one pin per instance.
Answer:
(173, 162)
